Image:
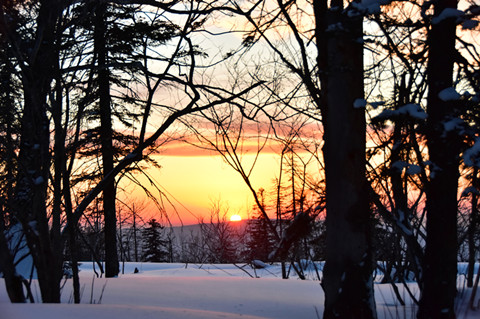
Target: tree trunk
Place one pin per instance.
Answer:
(472, 228)
(13, 281)
(347, 281)
(31, 192)
(135, 233)
(112, 267)
(440, 263)
(34, 155)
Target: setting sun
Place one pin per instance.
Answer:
(235, 218)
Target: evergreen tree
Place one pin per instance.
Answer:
(118, 36)
(154, 245)
(261, 241)
(8, 128)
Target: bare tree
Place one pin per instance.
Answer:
(46, 79)
(219, 236)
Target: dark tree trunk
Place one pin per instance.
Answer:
(472, 229)
(34, 155)
(440, 263)
(401, 213)
(61, 175)
(30, 198)
(347, 281)
(399, 154)
(135, 233)
(13, 281)
(112, 267)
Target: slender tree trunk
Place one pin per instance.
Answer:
(34, 155)
(400, 194)
(58, 159)
(72, 231)
(398, 154)
(135, 233)
(112, 266)
(13, 281)
(472, 228)
(440, 263)
(348, 281)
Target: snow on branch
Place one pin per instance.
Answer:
(359, 103)
(471, 156)
(411, 110)
(470, 190)
(448, 13)
(449, 94)
(411, 169)
(369, 6)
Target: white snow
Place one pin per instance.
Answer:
(400, 223)
(413, 110)
(470, 24)
(335, 27)
(410, 110)
(39, 180)
(448, 13)
(359, 103)
(130, 156)
(48, 311)
(375, 105)
(470, 190)
(179, 291)
(449, 94)
(413, 169)
(259, 264)
(399, 165)
(370, 6)
(470, 156)
(453, 124)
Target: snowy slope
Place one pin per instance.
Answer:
(177, 291)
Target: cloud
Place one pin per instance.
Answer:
(254, 138)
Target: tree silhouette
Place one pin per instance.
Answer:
(260, 240)
(154, 244)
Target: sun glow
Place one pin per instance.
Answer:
(235, 218)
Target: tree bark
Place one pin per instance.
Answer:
(347, 281)
(440, 263)
(112, 267)
(13, 281)
(472, 228)
(34, 154)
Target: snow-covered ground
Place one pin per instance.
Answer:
(179, 291)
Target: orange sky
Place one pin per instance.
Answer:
(193, 182)
(193, 179)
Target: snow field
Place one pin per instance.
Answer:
(179, 291)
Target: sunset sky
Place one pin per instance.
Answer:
(198, 181)
(193, 180)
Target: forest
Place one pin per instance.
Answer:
(374, 107)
